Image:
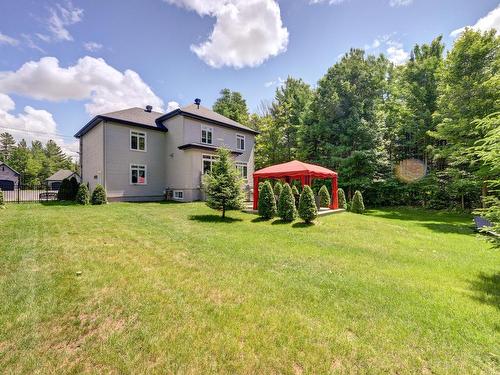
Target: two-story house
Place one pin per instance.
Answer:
(139, 154)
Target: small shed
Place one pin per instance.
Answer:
(296, 170)
(9, 178)
(54, 181)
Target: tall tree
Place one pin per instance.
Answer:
(7, 144)
(344, 133)
(232, 105)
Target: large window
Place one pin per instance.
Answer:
(137, 141)
(208, 160)
(240, 142)
(243, 169)
(138, 174)
(206, 134)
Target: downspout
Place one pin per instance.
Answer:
(104, 155)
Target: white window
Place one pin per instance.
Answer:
(240, 142)
(138, 174)
(137, 141)
(178, 195)
(206, 134)
(208, 161)
(243, 169)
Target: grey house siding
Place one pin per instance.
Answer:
(92, 156)
(119, 157)
(7, 174)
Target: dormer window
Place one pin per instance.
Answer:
(206, 134)
(137, 141)
(240, 142)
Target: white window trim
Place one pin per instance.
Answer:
(145, 141)
(145, 174)
(242, 164)
(244, 142)
(206, 128)
(213, 158)
(178, 191)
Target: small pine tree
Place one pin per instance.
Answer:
(278, 187)
(64, 192)
(267, 201)
(83, 195)
(73, 188)
(296, 196)
(99, 195)
(223, 184)
(286, 204)
(357, 205)
(342, 200)
(307, 205)
(324, 197)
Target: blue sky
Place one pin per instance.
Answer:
(62, 62)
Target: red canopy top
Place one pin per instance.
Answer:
(294, 168)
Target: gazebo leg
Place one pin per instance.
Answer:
(335, 196)
(255, 192)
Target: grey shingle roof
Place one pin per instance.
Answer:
(135, 114)
(60, 175)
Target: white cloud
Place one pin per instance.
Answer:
(490, 21)
(32, 124)
(400, 3)
(246, 32)
(393, 49)
(171, 106)
(60, 18)
(5, 39)
(28, 40)
(275, 82)
(90, 78)
(92, 46)
(330, 2)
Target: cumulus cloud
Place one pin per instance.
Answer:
(400, 3)
(393, 49)
(490, 21)
(92, 46)
(172, 106)
(5, 39)
(60, 18)
(107, 88)
(246, 32)
(32, 124)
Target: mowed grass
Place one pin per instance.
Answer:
(170, 288)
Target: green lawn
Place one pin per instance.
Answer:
(169, 288)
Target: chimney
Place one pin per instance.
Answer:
(149, 108)
(197, 101)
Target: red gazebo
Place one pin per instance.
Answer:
(295, 170)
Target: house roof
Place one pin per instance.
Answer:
(202, 113)
(295, 168)
(61, 175)
(201, 146)
(154, 120)
(8, 166)
(132, 116)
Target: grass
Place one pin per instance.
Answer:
(172, 288)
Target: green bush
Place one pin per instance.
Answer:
(83, 194)
(1, 198)
(342, 200)
(286, 204)
(267, 202)
(324, 197)
(296, 195)
(64, 192)
(99, 195)
(73, 188)
(278, 187)
(307, 205)
(357, 205)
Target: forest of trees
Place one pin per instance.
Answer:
(365, 115)
(35, 162)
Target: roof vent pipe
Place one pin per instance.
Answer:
(197, 101)
(149, 108)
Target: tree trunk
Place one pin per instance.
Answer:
(463, 202)
(223, 212)
(484, 192)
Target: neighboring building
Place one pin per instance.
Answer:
(54, 181)
(9, 178)
(139, 154)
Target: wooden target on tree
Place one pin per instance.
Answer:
(410, 170)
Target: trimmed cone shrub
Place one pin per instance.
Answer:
(99, 195)
(64, 192)
(73, 188)
(307, 205)
(267, 202)
(83, 195)
(296, 196)
(357, 205)
(278, 187)
(324, 197)
(286, 204)
(1, 198)
(342, 200)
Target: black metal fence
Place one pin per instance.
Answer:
(29, 193)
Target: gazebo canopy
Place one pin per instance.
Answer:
(294, 168)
